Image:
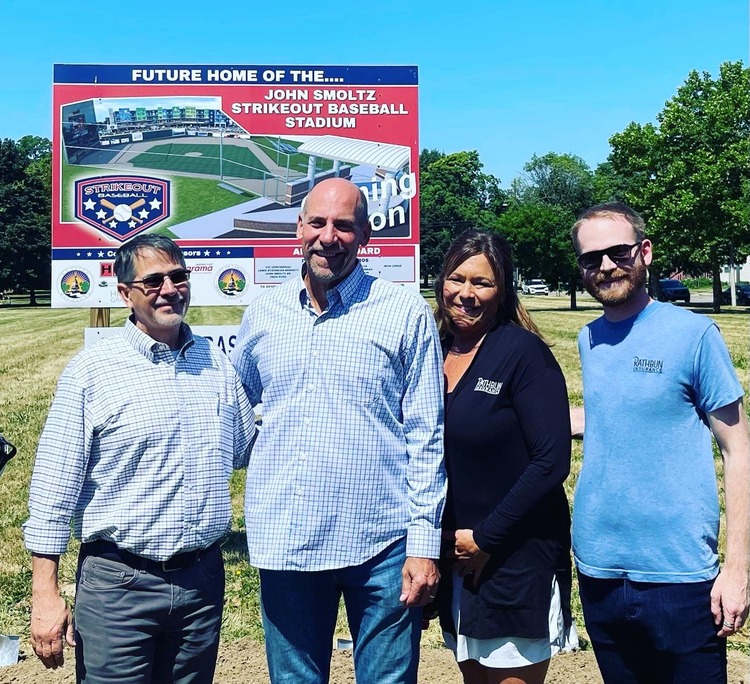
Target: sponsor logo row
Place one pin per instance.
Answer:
(78, 283)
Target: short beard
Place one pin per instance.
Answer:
(627, 288)
(323, 275)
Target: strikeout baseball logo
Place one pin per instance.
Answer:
(122, 206)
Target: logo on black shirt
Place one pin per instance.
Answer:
(489, 386)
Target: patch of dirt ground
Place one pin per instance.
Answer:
(244, 662)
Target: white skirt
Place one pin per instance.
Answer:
(507, 652)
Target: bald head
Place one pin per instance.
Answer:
(331, 227)
(344, 190)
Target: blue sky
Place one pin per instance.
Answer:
(509, 79)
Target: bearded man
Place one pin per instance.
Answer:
(657, 383)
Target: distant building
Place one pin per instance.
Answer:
(741, 271)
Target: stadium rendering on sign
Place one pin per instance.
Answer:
(250, 185)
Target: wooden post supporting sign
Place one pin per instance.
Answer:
(99, 318)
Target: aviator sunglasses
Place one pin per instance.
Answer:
(617, 254)
(155, 281)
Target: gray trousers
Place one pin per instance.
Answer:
(148, 626)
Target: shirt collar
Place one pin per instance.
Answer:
(345, 290)
(148, 346)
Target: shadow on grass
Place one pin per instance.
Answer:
(564, 309)
(26, 305)
(708, 308)
(235, 546)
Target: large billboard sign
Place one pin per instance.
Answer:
(219, 158)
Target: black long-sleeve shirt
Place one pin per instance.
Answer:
(507, 448)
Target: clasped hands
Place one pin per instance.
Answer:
(469, 559)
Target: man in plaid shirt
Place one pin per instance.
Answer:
(346, 486)
(137, 450)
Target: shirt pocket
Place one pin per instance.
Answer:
(210, 426)
(361, 380)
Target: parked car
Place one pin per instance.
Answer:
(743, 294)
(532, 287)
(673, 290)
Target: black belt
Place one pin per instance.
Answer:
(102, 548)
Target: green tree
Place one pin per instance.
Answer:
(25, 213)
(540, 235)
(34, 147)
(553, 189)
(562, 180)
(426, 157)
(608, 185)
(689, 174)
(454, 195)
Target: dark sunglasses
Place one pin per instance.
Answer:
(617, 254)
(155, 281)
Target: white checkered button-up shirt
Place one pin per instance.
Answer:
(350, 454)
(138, 447)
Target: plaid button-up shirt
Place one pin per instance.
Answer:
(138, 447)
(350, 454)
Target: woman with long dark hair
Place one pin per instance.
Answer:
(504, 599)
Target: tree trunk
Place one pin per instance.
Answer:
(716, 274)
(573, 292)
(654, 287)
(32, 297)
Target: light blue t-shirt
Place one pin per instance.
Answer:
(646, 506)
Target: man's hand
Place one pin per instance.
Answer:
(471, 559)
(51, 623)
(729, 601)
(51, 619)
(420, 581)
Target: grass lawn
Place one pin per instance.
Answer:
(238, 161)
(38, 342)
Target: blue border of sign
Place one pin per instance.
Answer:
(198, 74)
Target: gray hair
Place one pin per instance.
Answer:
(126, 254)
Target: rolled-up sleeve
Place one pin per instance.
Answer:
(60, 468)
(422, 408)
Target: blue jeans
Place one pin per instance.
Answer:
(650, 633)
(299, 617)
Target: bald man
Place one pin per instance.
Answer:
(346, 486)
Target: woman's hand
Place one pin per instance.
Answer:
(470, 559)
